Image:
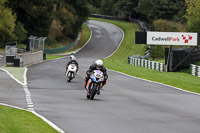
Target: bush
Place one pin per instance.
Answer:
(20, 33)
(157, 51)
(55, 30)
(167, 26)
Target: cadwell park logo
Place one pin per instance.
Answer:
(186, 40)
(177, 39)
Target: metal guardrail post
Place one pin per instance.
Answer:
(36, 43)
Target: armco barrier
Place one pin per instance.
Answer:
(146, 63)
(29, 58)
(195, 70)
(62, 49)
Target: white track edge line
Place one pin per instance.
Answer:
(12, 76)
(36, 114)
(156, 83)
(48, 122)
(29, 100)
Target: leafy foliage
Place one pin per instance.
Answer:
(53, 18)
(144, 8)
(20, 33)
(193, 16)
(167, 25)
(162, 9)
(108, 7)
(127, 6)
(7, 23)
(35, 15)
(82, 12)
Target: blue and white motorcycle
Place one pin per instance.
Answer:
(94, 84)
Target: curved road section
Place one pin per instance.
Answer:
(127, 104)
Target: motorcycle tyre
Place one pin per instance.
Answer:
(93, 92)
(88, 96)
(70, 77)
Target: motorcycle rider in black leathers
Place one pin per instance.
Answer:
(72, 61)
(98, 65)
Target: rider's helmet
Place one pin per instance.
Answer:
(72, 57)
(99, 63)
(72, 54)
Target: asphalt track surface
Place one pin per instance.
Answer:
(127, 104)
(2, 59)
(11, 92)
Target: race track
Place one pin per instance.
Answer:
(127, 104)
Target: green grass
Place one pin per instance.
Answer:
(20, 121)
(57, 44)
(85, 35)
(17, 72)
(197, 63)
(119, 62)
(2, 50)
(51, 57)
(21, 45)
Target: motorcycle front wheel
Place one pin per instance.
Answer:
(93, 92)
(69, 77)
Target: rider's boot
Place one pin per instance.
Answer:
(85, 84)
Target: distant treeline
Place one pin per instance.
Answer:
(162, 15)
(55, 19)
(61, 19)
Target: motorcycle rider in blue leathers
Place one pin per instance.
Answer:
(98, 65)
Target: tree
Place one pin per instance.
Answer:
(35, 15)
(128, 7)
(53, 18)
(193, 16)
(162, 9)
(20, 34)
(144, 8)
(80, 11)
(95, 3)
(108, 7)
(64, 20)
(7, 23)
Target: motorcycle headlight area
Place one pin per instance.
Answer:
(98, 76)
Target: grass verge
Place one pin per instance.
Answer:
(20, 121)
(119, 62)
(17, 72)
(85, 35)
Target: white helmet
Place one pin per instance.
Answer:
(99, 63)
(72, 57)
